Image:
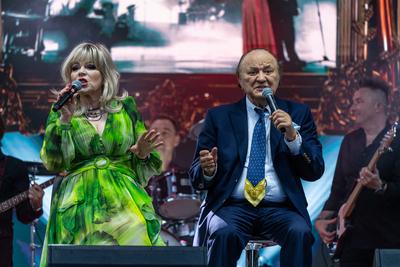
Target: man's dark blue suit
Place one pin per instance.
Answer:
(225, 127)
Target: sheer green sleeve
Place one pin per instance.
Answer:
(151, 166)
(58, 149)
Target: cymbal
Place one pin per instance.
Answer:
(21, 15)
(195, 130)
(37, 168)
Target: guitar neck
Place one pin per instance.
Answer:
(17, 199)
(351, 201)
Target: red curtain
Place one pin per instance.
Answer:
(257, 29)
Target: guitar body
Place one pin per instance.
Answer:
(341, 240)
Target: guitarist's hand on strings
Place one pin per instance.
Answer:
(36, 197)
(370, 179)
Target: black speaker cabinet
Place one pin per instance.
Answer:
(387, 258)
(123, 256)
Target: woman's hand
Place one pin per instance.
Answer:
(68, 109)
(146, 143)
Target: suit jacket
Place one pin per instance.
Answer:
(225, 127)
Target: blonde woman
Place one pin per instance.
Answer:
(100, 139)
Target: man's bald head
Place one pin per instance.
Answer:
(244, 57)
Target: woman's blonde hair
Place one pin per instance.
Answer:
(99, 55)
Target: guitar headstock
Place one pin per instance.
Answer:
(388, 138)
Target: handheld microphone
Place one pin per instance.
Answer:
(268, 94)
(76, 85)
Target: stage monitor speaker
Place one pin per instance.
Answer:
(387, 258)
(123, 256)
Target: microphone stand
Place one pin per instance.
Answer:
(32, 177)
(33, 246)
(321, 30)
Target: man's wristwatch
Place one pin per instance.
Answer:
(382, 189)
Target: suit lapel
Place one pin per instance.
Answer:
(239, 124)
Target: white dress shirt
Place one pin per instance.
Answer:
(274, 190)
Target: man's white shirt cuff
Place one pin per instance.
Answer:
(294, 145)
(209, 178)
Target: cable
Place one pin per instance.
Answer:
(325, 57)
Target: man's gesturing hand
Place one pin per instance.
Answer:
(208, 161)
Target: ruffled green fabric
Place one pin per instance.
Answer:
(101, 201)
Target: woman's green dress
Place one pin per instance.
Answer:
(101, 201)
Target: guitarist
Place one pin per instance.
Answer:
(13, 180)
(376, 218)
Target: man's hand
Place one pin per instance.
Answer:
(322, 225)
(35, 196)
(281, 119)
(208, 161)
(370, 179)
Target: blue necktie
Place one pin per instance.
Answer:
(255, 183)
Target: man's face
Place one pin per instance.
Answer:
(168, 135)
(364, 105)
(259, 69)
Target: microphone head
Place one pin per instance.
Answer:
(77, 85)
(267, 91)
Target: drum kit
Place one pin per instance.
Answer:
(178, 203)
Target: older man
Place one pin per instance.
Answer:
(252, 170)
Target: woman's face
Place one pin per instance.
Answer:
(90, 77)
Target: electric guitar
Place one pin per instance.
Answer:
(17, 199)
(343, 226)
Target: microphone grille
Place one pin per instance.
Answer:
(267, 91)
(77, 85)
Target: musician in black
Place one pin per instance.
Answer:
(376, 217)
(14, 180)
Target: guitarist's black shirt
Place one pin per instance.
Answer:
(13, 181)
(376, 217)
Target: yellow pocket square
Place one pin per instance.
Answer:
(254, 194)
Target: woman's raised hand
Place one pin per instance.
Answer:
(146, 143)
(68, 109)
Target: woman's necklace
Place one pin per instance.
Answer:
(94, 114)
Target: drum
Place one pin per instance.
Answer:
(184, 230)
(173, 195)
(169, 238)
